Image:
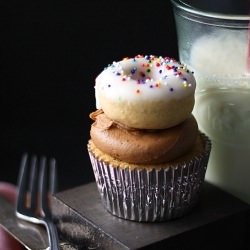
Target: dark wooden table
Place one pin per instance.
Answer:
(219, 221)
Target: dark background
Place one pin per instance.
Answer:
(51, 53)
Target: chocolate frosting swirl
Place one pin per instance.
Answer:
(142, 146)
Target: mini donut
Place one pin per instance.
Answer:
(146, 92)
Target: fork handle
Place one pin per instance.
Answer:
(52, 234)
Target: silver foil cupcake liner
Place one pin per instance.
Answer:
(151, 195)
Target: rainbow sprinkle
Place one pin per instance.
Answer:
(142, 74)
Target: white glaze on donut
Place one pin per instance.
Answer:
(144, 77)
(146, 92)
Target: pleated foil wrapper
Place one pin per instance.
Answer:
(151, 195)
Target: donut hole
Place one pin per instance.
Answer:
(142, 73)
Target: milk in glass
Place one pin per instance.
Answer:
(222, 106)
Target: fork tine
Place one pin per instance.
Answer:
(22, 182)
(43, 185)
(53, 176)
(33, 183)
(47, 182)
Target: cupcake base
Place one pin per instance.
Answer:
(151, 194)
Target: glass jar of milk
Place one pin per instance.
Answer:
(213, 42)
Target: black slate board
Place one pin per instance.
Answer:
(219, 221)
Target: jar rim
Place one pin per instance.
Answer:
(180, 4)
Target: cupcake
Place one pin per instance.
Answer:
(148, 156)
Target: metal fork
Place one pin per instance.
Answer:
(34, 192)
